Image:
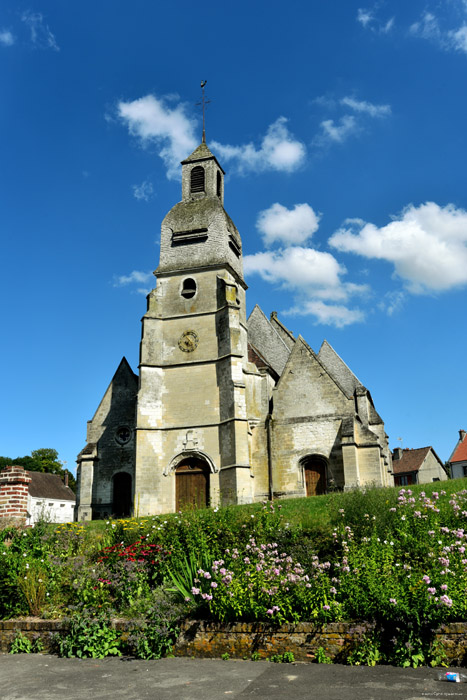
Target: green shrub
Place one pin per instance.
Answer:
(90, 636)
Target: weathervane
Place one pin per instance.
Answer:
(203, 103)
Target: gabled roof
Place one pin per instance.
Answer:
(336, 366)
(49, 486)
(460, 452)
(300, 344)
(122, 374)
(267, 340)
(286, 335)
(257, 359)
(412, 460)
(201, 152)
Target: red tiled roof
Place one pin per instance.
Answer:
(460, 453)
(411, 460)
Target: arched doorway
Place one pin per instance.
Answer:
(314, 471)
(121, 502)
(192, 483)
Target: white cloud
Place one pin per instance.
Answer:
(313, 276)
(392, 302)
(290, 226)
(6, 37)
(41, 36)
(366, 107)
(328, 314)
(368, 19)
(428, 27)
(365, 17)
(139, 278)
(279, 150)
(144, 191)
(154, 121)
(337, 132)
(427, 246)
(458, 38)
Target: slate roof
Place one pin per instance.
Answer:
(49, 486)
(460, 453)
(411, 460)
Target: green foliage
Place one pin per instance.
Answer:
(32, 582)
(154, 638)
(368, 652)
(90, 636)
(286, 658)
(23, 645)
(45, 459)
(255, 656)
(225, 656)
(321, 657)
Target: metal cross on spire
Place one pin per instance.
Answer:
(203, 103)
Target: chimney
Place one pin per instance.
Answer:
(461, 435)
(397, 454)
(66, 477)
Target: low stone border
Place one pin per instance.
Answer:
(200, 638)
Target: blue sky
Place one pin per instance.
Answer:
(342, 129)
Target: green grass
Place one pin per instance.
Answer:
(317, 512)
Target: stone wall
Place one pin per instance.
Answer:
(202, 639)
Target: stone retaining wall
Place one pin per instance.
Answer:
(204, 639)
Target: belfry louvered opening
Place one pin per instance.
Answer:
(197, 179)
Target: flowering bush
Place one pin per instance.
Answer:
(263, 583)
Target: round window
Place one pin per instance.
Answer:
(123, 434)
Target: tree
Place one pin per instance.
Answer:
(45, 460)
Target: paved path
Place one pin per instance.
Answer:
(42, 677)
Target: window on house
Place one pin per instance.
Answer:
(197, 179)
(188, 288)
(219, 184)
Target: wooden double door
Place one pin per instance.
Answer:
(192, 484)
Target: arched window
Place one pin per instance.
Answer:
(219, 184)
(188, 288)
(197, 179)
(121, 501)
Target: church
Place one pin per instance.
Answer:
(224, 409)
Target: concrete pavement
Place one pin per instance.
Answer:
(43, 677)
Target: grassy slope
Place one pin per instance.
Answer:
(322, 511)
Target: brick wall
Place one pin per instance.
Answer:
(14, 485)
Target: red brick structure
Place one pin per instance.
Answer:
(14, 487)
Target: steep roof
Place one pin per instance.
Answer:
(336, 366)
(286, 335)
(267, 340)
(460, 452)
(411, 460)
(49, 486)
(201, 152)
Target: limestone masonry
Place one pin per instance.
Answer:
(225, 409)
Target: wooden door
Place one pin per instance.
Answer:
(315, 477)
(192, 484)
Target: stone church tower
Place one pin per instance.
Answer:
(225, 410)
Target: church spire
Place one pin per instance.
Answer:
(203, 103)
